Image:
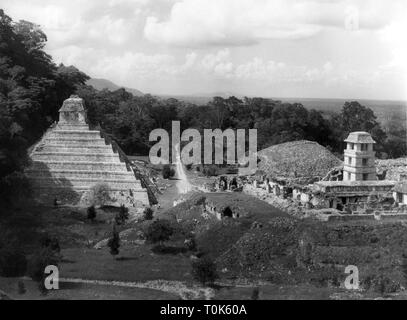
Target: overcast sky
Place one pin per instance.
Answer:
(272, 48)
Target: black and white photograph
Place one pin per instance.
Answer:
(203, 154)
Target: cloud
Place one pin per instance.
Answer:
(393, 36)
(271, 71)
(159, 72)
(217, 64)
(186, 46)
(260, 72)
(91, 23)
(195, 23)
(127, 67)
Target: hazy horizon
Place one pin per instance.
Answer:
(212, 94)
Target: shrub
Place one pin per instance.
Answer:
(114, 243)
(381, 283)
(40, 260)
(276, 277)
(148, 214)
(100, 194)
(255, 294)
(91, 213)
(8, 237)
(15, 186)
(210, 171)
(159, 231)
(161, 249)
(122, 216)
(51, 243)
(190, 243)
(305, 249)
(328, 276)
(13, 262)
(204, 270)
(124, 212)
(168, 172)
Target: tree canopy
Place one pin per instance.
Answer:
(32, 88)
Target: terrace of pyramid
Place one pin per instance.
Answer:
(71, 162)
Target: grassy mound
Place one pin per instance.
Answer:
(262, 250)
(220, 236)
(292, 251)
(215, 237)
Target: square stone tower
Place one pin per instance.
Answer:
(359, 162)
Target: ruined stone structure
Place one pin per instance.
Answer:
(359, 164)
(72, 164)
(359, 187)
(324, 184)
(352, 195)
(400, 193)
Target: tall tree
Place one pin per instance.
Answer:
(356, 117)
(32, 89)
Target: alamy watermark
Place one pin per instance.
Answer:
(51, 281)
(214, 147)
(352, 280)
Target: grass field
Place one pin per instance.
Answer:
(136, 263)
(77, 236)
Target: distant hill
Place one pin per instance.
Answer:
(100, 84)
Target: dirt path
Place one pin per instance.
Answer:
(174, 287)
(170, 194)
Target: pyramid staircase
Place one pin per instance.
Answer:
(70, 160)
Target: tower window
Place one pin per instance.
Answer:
(365, 176)
(364, 161)
(363, 147)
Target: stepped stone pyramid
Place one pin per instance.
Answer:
(71, 162)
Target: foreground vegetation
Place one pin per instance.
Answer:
(264, 251)
(283, 250)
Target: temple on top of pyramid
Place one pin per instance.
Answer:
(75, 165)
(72, 115)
